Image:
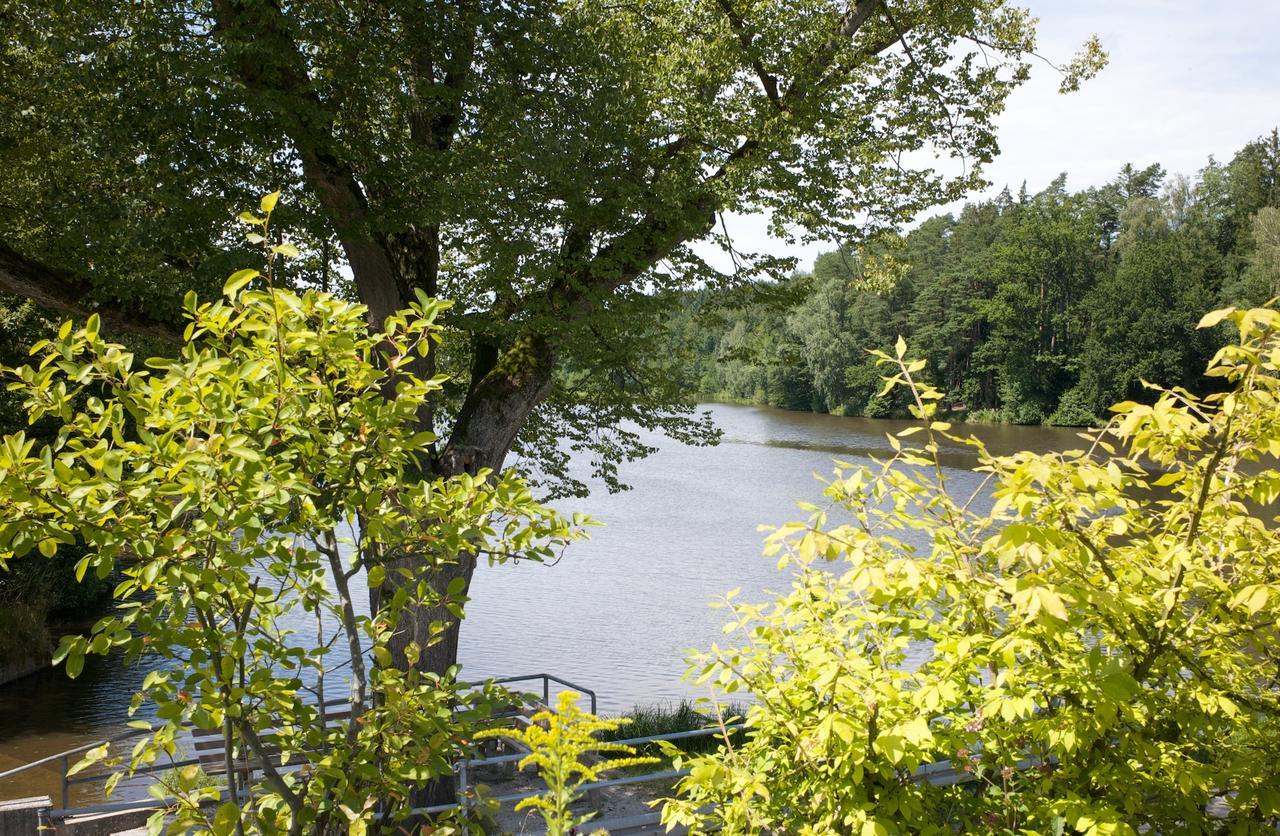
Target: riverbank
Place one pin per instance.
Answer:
(26, 641)
(958, 415)
(29, 639)
(15, 669)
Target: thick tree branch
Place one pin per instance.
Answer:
(747, 38)
(269, 61)
(497, 404)
(433, 124)
(849, 25)
(57, 290)
(628, 256)
(437, 126)
(507, 384)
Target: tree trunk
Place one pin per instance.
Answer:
(496, 407)
(498, 404)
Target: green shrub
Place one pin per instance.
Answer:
(1099, 652)
(1024, 413)
(984, 416)
(565, 747)
(878, 407)
(1074, 410)
(222, 486)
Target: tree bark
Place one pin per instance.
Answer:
(492, 414)
(57, 290)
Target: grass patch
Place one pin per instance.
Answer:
(648, 720)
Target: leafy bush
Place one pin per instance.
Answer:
(1074, 410)
(983, 416)
(222, 485)
(1097, 653)
(877, 407)
(1019, 408)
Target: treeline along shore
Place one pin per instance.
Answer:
(1030, 308)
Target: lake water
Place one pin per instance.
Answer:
(619, 612)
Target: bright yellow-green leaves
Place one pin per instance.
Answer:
(564, 750)
(1091, 639)
(237, 490)
(237, 281)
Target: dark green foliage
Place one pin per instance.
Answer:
(1029, 309)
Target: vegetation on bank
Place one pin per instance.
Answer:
(1030, 308)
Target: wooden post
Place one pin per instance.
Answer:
(21, 817)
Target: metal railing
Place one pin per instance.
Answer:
(942, 773)
(547, 679)
(939, 773)
(464, 798)
(65, 759)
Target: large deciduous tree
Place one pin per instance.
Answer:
(546, 163)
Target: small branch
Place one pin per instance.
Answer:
(747, 39)
(1143, 666)
(347, 613)
(273, 776)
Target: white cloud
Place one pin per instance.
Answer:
(1186, 80)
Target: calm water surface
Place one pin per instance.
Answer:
(618, 613)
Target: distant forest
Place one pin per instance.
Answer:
(1030, 308)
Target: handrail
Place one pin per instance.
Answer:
(547, 679)
(940, 773)
(64, 758)
(18, 770)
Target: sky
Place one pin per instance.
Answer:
(1186, 80)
